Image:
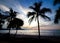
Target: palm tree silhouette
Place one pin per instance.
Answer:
(57, 16)
(56, 2)
(12, 13)
(12, 16)
(38, 12)
(1, 20)
(16, 23)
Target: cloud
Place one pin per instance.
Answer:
(34, 23)
(23, 12)
(4, 8)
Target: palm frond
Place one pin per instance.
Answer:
(57, 16)
(56, 19)
(48, 18)
(45, 17)
(11, 10)
(31, 14)
(31, 7)
(38, 4)
(56, 2)
(44, 10)
(31, 19)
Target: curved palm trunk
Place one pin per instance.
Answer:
(38, 26)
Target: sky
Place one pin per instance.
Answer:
(22, 6)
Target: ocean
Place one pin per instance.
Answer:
(54, 32)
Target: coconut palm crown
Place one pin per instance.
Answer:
(37, 11)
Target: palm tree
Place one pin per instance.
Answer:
(57, 16)
(1, 20)
(56, 2)
(12, 13)
(16, 23)
(12, 16)
(38, 12)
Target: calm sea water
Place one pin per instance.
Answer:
(34, 32)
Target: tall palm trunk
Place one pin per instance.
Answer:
(9, 27)
(16, 30)
(16, 33)
(38, 26)
(9, 30)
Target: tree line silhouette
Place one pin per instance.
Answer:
(17, 23)
(13, 21)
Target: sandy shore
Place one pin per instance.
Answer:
(6, 38)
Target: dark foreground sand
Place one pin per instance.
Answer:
(6, 38)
